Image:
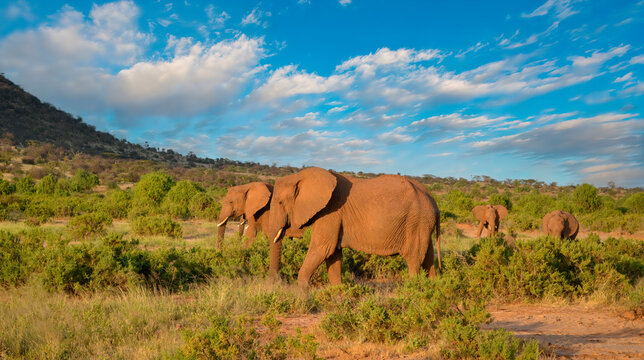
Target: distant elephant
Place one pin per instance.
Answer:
(489, 217)
(386, 215)
(251, 203)
(561, 224)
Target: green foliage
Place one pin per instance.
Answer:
(117, 203)
(455, 204)
(153, 187)
(203, 206)
(46, 185)
(88, 225)
(83, 181)
(19, 256)
(530, 209)
(586, 198)
(634, 203)
(501, 199)
(228, 338)
(25, 185)
(6, 187)
(156, 225)
(178, 199)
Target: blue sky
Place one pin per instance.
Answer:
(550, 90)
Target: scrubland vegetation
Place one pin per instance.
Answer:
(96, 261)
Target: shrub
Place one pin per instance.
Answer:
(156, 225)
(228, 338)
(6, 187)
(83, 181)
(117, 203)
(153, 187)
(177, 201)
(204, 206)
(25, 185)
(456, 202)
(634, 203)
(501, 199)
(586, 198)
(46, 185)
(88, 225)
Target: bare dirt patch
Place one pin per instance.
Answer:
(573, 331)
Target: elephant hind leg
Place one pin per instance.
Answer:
(428, 262)
(419, 243)
(480, 229)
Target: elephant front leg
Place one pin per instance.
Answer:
(250, 233)
(324, 239)
(480, 229)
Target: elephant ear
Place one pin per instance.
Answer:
(312, 193)
(257, 197)
(479, 212)
(501, 210)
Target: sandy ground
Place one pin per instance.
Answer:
(574, 331)
(569, 331)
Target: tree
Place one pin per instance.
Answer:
(586, 198)
(635, 203)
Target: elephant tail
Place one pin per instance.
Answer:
(438, 243)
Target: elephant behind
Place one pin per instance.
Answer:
(489, 217)
(387, 215)
(250, 202)
(561, 224)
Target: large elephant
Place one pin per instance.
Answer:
(560, 224)
(250, 202)
(489, 217)
(386, 215)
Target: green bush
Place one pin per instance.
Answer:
(228, 338)
(83, 181)
(634, 203)
(457, 203)
(178, 199)
(117, 203)
(156, 225)
(6, 187)
(25, 185)
(203, 206)
(46, 185)
(88, 225)
(586, 198)
(501, 199)
(153, 187)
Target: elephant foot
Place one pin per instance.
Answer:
(304, 285)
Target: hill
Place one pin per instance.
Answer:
(29, 120)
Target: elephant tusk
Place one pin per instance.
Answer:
(243, 221)
(223, 222)
(277, 237)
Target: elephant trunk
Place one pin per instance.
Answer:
(276, 255)
(224, 216)
(277, 223)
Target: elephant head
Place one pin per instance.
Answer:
(489, 216)
(560, 224)
(243, 201)
(297, 199)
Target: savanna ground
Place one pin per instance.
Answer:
(105, 259)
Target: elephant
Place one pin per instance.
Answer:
(489, 217)
(250, 202)
(561, 224)
(386, 215)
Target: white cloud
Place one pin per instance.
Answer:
(456, 121)
(311, 147)
(459, 138)
(560, 9)
(474, 48)
(367, 65)
(203, 78)
(625, 22)
(344, 2)
(256, 16)
(598, 58)
(310, 120)
(216, 19)
(287, 81)
(19, 10)
(625, 77)
(65, 59)
(395, 136)
(639, 59)
(337, 109)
